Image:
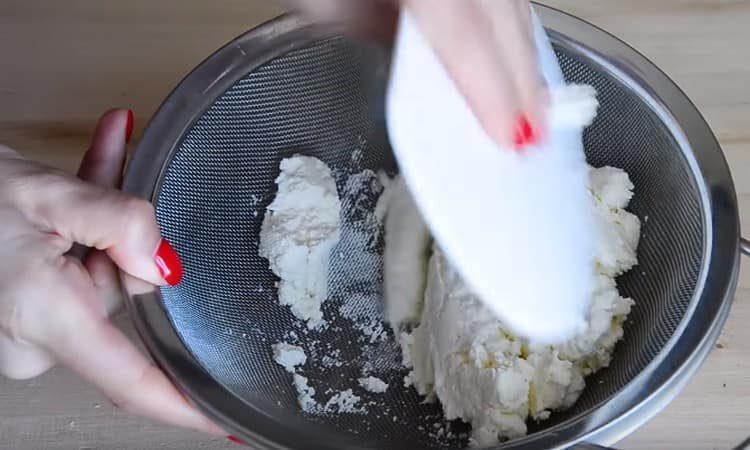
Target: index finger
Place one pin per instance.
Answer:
(513, 35)
(473, 61)
(103, 162)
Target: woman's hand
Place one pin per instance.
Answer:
(54, 308)
(486, 45)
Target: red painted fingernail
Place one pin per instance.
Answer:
(236, 440)
(129, 125)
(524, 134)
(168, 262)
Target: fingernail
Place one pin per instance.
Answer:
(168, 262)
(129, 125)
(236, 440)
(524, 133)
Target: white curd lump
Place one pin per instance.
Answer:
(299, 229)
(460, 354)
(373, 384)
(289, 356)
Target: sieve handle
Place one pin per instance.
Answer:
(745, 246)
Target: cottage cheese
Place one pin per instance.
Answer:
(483, 374)
(300, 228)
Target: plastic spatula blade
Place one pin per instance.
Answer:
(517, 226)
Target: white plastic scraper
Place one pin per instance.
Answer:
(516, 225)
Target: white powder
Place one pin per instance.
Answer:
(300, 228)
(331, 361)
(344, 402)
(374, 330)
(383, 357)
(365, 313)
(289, 356)
(356, 279)
(291, 335)
(298, 235)
(305, 395)
(373, 384)
(483, 374)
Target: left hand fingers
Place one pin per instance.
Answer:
(513, 34)
(106, 280)
(478, 67)
(21, 361)
(103, 162)
(103, 165)
(77, 332)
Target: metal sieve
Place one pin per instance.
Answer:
(209, 159)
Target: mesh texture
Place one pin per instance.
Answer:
(325, 100)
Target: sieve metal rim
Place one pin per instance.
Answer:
(143, 176)
(643, 397)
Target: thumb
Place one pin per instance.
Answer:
(102, 218)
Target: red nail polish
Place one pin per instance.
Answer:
(524, 134)
(236, 440)
(168, 262)
(129, 126)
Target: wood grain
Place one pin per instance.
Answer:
(63, 63)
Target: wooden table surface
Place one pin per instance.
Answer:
(64, 62)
